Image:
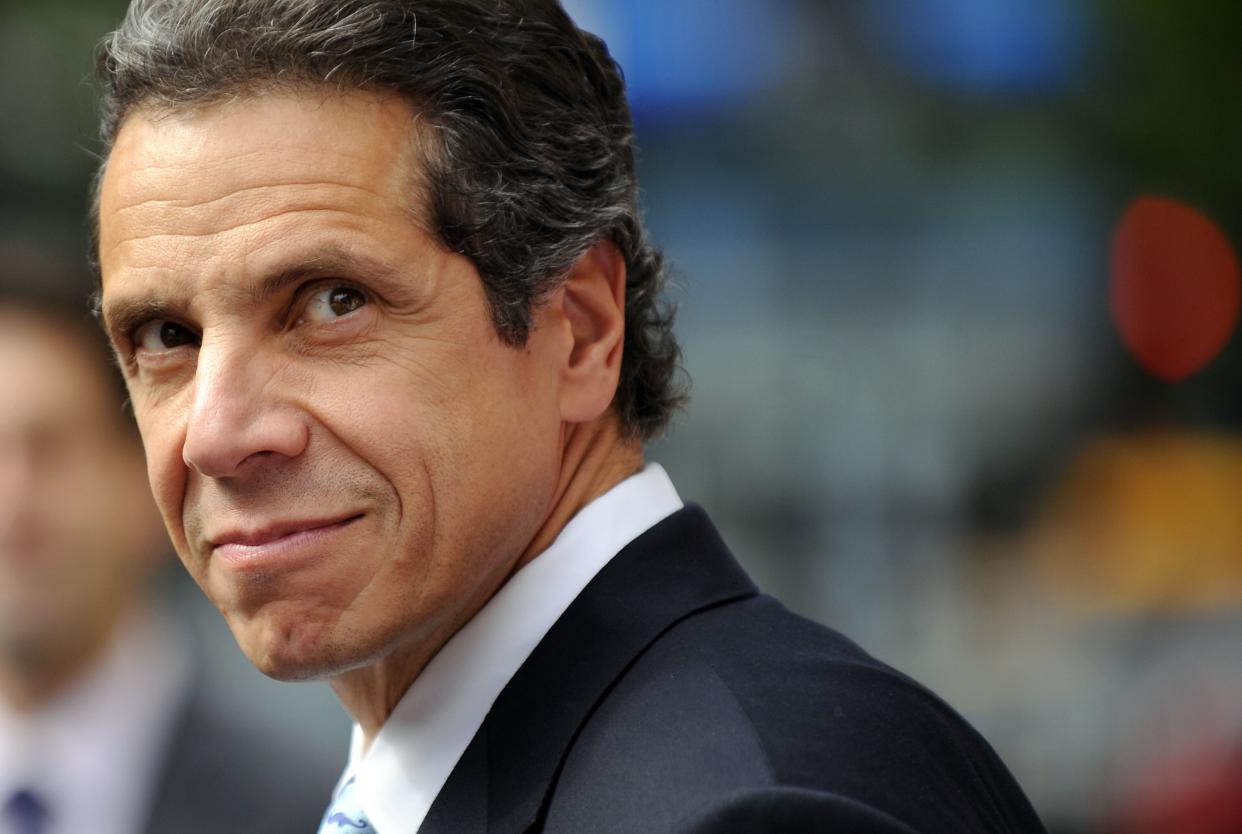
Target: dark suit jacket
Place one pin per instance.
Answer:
(673, 697)
(223, 774)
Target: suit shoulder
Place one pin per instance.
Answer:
(747, 696)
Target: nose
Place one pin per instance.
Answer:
(240, 414)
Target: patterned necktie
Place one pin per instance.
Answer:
(345, 814)
(26, 813)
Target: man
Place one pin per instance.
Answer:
(103, 728)
(389, 319)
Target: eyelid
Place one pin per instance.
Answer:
(311, 288)
(123, 326)
(136, 342)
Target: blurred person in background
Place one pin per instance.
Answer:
(103, 727)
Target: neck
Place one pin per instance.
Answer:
(594, 459)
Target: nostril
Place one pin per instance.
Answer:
(234, 444)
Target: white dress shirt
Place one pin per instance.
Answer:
(413, 754)
(93, 755)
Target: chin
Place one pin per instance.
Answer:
(292, 670)
(302, 652)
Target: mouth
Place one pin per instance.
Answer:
(280, 541)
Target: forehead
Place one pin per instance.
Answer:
(303, 126)
(250, 168)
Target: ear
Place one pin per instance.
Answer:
(592, 303)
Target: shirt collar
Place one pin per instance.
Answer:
(415, 751)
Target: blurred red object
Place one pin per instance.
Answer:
(1175, 287)
(1195, 793)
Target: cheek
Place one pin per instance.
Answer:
(502, 448)
(453, 458)
(167, 473)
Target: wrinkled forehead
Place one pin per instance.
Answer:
(245, 147)
(165, 140)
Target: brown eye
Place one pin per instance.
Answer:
(344, 300)
(333, 303)
(160, 335)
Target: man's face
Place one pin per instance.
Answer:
(348, 459)
(76, 521)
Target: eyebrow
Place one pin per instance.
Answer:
(328, 261)
(121, 315)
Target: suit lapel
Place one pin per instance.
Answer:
(676, 568)
(461, 806)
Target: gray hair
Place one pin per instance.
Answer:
(531, 158)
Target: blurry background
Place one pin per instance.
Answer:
(958, 294)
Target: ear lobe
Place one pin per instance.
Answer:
(592, 300)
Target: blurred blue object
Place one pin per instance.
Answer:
(981, 45)
(682, 57)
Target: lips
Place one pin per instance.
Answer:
(281, 542)
(269, 533)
